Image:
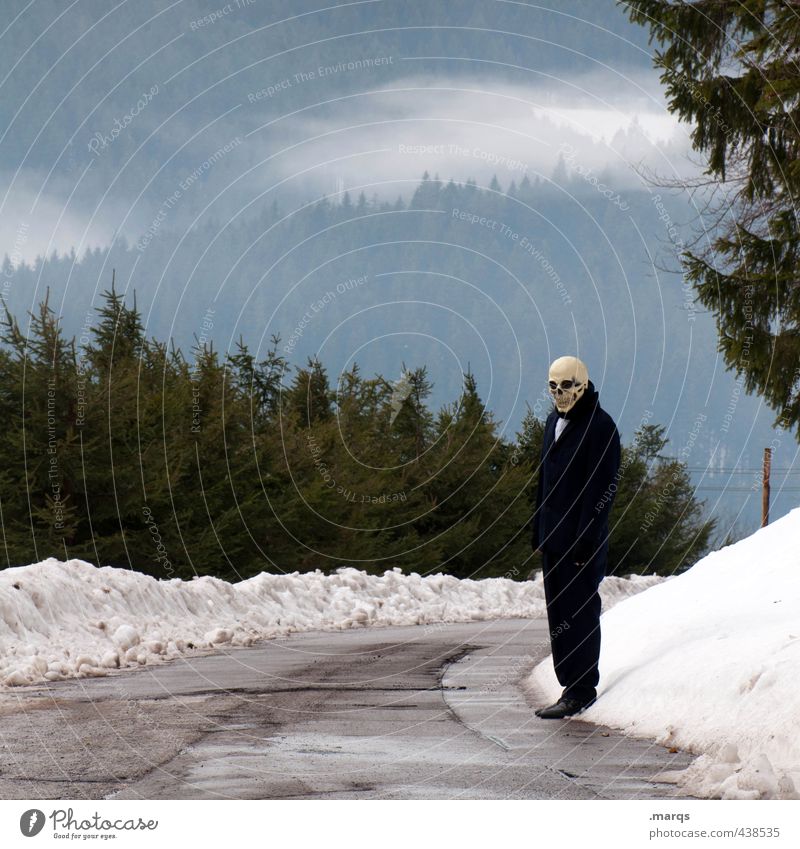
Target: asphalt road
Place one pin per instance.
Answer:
(426, 712)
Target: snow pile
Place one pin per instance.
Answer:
(709, 661)
(66, 619)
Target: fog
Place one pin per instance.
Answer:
(379, 141)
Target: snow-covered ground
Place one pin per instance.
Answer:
(709, 661)
(67, 619)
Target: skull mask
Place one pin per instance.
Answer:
(567, 381)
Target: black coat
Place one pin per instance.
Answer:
(577, 479)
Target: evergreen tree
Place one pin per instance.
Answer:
(409, 418)
(211, 466)
(262, 382)
(309, 398)
(479, 510)
(426, 195)
(40, 456)
(732, 70)
(657, 523)
(123, 434)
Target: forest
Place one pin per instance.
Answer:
(122, 450)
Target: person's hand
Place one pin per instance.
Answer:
(584, 549)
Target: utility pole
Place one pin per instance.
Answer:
(765, 487)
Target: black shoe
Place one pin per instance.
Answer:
(564, 707)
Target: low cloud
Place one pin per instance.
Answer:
(378, 141)
(384, 140)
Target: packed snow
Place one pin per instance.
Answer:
(709, 661)
(72, 619)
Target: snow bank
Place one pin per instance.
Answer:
(710, 661)
(71, 619)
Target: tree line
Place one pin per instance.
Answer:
(122, 450)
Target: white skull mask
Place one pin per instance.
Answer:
(567, 381)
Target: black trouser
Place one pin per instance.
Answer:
(573, 615)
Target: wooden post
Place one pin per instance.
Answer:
(765, 487)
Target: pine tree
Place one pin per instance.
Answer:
(426, 195)
(478, 511)
(122, 439)
(309, 398)
(262, 382)
(40, 453)
(211, 466)
(731, 69)
(409, 418)
(657, 523)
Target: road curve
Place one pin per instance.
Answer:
(425, 712)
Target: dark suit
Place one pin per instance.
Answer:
(577, 481)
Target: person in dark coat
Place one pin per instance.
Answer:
(577, 481)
